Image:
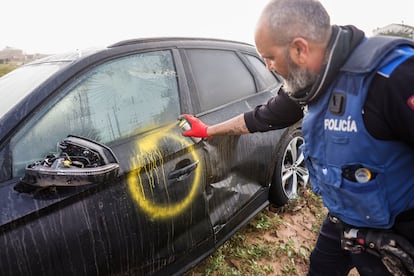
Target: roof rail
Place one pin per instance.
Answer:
(160, 39)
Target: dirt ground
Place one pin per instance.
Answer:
(299, 224)
(299, 229)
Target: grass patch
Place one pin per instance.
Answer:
(6, 68)
(256, 248)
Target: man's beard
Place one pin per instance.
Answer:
(298, 78)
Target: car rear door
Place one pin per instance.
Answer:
(225, 83)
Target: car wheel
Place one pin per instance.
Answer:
(290, 171)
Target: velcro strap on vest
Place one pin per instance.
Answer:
(405, 53)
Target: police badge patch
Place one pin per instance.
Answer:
(410, 102)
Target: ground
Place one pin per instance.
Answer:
(277, 242)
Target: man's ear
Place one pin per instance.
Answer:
(299, 50)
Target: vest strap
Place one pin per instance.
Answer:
(405, 53)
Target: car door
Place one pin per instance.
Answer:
(229, 83)
(150, 216)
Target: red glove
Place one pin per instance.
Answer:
(198, 128)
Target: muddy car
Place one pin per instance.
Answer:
(96, 177)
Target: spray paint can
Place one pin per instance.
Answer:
(184, 125)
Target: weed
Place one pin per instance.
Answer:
(290, 267)
(260, 249)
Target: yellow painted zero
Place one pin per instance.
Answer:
(149, 147)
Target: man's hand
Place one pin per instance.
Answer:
(198, 128)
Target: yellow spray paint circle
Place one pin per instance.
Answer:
(148, 147)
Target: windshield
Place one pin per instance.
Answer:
(21, 81)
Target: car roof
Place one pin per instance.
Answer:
(161, 41)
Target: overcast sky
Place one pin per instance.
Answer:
(52, 26)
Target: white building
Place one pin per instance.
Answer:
(396, 28)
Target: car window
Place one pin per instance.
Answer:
(266, 75)
(115, 100)
(220, 77)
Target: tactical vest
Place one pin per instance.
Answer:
(363, 181)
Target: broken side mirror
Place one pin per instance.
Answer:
(80, 161)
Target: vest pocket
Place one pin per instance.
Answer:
(358, 204)
(365, 203)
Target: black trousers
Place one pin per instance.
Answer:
(328, 258)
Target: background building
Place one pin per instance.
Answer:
(396, 30)
(17, 56)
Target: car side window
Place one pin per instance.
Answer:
(115, 100)
(220, 77)
(268, 78)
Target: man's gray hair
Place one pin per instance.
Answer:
(288, 19)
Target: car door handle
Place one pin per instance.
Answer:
(183, 172)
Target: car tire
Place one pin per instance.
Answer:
(290, 172)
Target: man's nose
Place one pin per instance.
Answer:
(270, 66)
